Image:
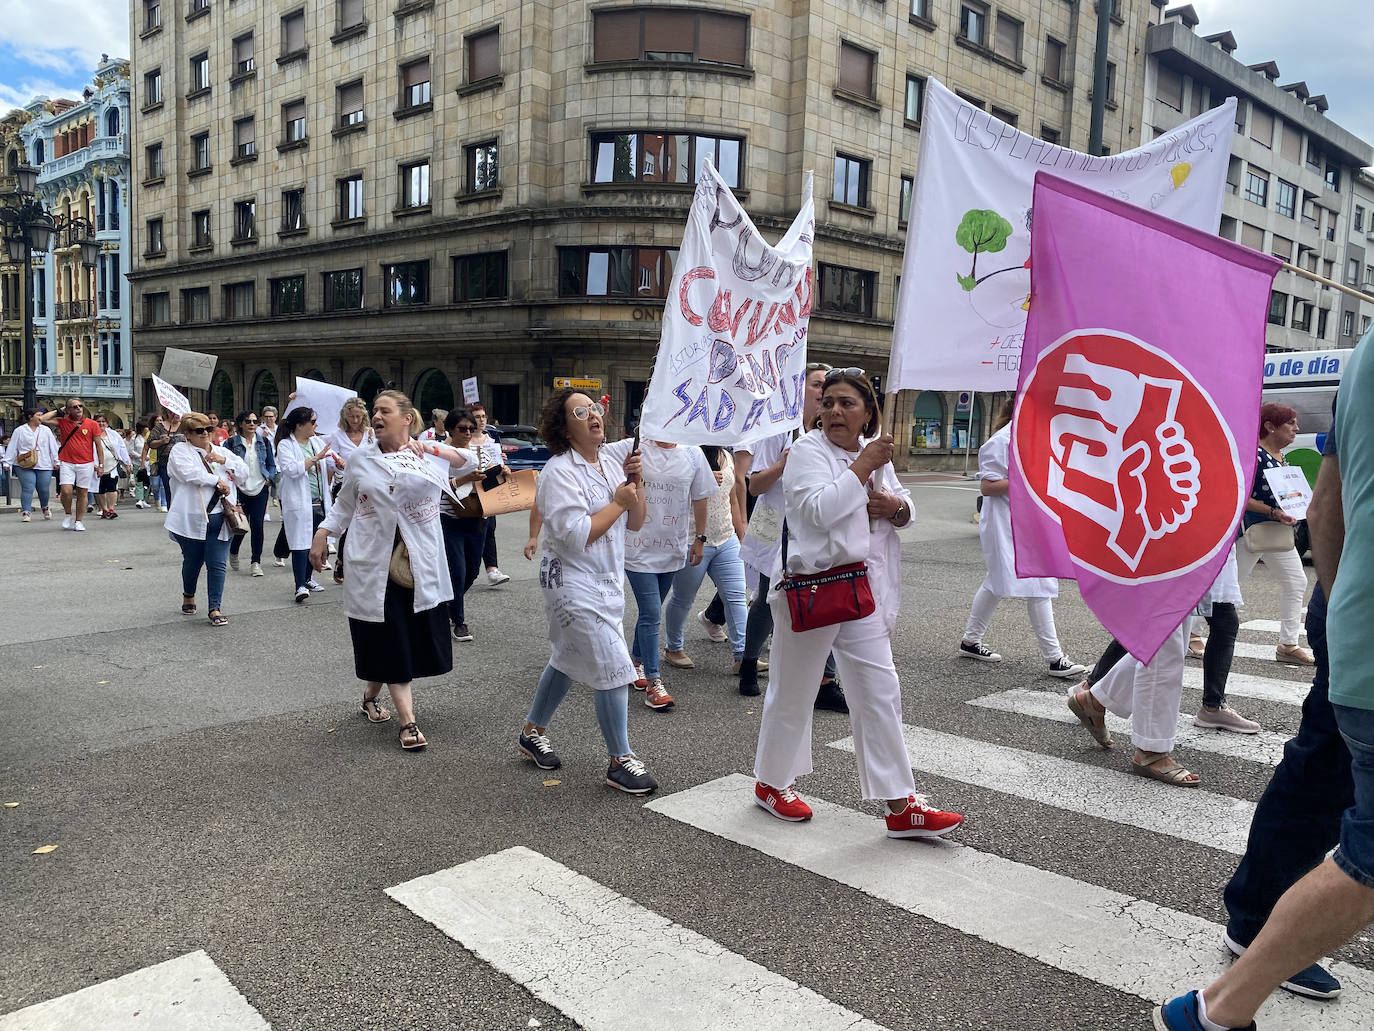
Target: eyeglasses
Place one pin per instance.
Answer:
(584, 411)
(835, 374)
(465, 429)
(813, 366)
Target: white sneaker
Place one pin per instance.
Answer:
(67, 523)
(162, 508)
(496, 578)
(301, 594)
(139, 504)
(255, 569)
(314, 587)
(79, 526)
(1225, 718)
(279, 562)
(234, 563)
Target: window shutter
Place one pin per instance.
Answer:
(294, 110)
(1054, 60)
(416, 73)
(484, 55)
(670, 32)
(856, 71)
(243, 48)
(1169, 88)
(1262, 126)
(616, 36)
(243, 132)
(1292, 143)
(350, 99)
(293, 33)
(1252, 236)
(350, 13)
(1008, 40)
(723, 39)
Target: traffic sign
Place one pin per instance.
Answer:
(576, 384)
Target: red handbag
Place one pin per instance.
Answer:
(836, 595)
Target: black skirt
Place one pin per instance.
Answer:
(406, 645)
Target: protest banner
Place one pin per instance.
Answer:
(966, 274)
(325, 399)
(1291, 489)
(191, 369)
(1126, 472)
(731, 360)
(470, 395)
(170, 397)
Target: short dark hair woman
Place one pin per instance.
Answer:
(303, 487)
(256, 489)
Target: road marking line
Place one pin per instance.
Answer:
(544, 926)
(1192, 814)
(189, 993)
(1265, 652)
(1265, 626)
(1129, 944)
(1265, 747)
(1243, 685)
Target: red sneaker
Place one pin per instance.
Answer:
(919, 820)
(782, 803)
(640, 681)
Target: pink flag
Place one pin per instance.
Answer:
(1133, 445)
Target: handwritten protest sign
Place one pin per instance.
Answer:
(170, 397)
(470, 394)
(192, 369)
(732, 356)
(1291, 489)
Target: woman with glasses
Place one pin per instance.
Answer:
(588, 496)
(842, 504)
(204, 477)
(304, 489)
(463, 526)
(255, 490)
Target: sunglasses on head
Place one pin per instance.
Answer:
(835, 374)
(817, 366)
(584, 411)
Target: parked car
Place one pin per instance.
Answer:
(521, 446)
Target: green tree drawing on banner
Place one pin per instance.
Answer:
(980, 231)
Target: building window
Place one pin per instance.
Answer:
(293, 34)
(152, 15)
(973, 22)
(1049, 134)
(415, 83)
(292, 210)
(243, 54)
(615, 271)
(200, 229)
(1369, 275)
(1352, 271)
(700, 37)
(856, 71)
(245, 220)
(1054, 59)
(1278, 308)
(920, 9)
(195, 305)
(662, 157)
(152, 87)
(1169, 88)
(288, 295)
(1302, 316)
(1111, 83)
(484, 55)
(350, 14)
(351, 198)
(904, 200)
(245, 138)
(482, 167)
(350, 101)
(1286, 199)
(238, 300)
(1281, 247)
(1359, 219)
(200, 72)
(1347, 323)
(293, 121)
(1006, 40)
(152, 161)
(200, 152)
(343, 290)
(415, 185)
(153, 230)
(1257, 186)
(851, 181)
(406, 284)
(847, 290)
(1333, 178)
(199, 5)
(480, 277)
(1322, 315)
(112, 122)
(157, 309)
(915, 99)
(1010, 117)
(1262, 126)
(1364, 324)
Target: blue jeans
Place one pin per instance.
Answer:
(650, 590)
(255, 508)
(723, 564)
(213, 554)
(463, 548)
(612, 709)
(31, 480)
(1298, 819)
(1355, 854)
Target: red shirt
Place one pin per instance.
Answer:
(220, 435)
(79, 448)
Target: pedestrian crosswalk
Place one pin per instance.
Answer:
(1243, 685)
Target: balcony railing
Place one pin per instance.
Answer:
(74, 310)
(78, 384)
(100, 147)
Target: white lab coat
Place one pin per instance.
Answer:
(294, 491)
(994, 529)
(378, 498)
(584, 593)
(1225, 588)
(759, 549)
(192, 485)
(116, 451)
(341, 446)
(28, 439)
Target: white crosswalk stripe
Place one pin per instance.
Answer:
(1243, 685)
(1195, 814)
(1246, 650)
(1265, 747)
(1131, 945)
(531, 918)
(1265, 626)
(189, 993)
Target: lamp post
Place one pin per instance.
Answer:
(28, 227)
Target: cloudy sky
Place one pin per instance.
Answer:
(1330, 45)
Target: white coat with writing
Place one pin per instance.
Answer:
(193, 485)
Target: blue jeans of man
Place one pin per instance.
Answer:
(31, 480)
(650, 589)
(1298, 818)
(463, 539)
(722, 563)
(213, 554)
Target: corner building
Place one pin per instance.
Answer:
(369, 191)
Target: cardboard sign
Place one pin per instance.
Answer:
(515, 493)
(188, 368)
(324, 399)
(1291, 489)
(470, 395)
(170, 397)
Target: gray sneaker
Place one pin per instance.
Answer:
(234, 563)
(1225, 718)
(630, 775)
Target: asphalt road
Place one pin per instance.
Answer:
(218, 790)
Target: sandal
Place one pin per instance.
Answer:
(417, 740)
(217, 618)
(188, 605)
(373, 710)
(1081, 705)
(1172, 774)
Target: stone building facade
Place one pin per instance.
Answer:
(1356, 312)
(373, 191)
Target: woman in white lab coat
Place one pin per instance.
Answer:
(842, 504)
(201, 473)
(588, 496)
(391, 496)
(994, 533)
(303, 487)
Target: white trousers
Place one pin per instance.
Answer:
(863, 658)
(1148, 695)
(1287, 566)
(1040, 610)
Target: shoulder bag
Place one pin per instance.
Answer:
(1269, 536)
(27, 459)
(233, 514)
(470, 507)
(837, 595)
(398, 571)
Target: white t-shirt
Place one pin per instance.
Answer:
(761, 543)
(673, 479)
